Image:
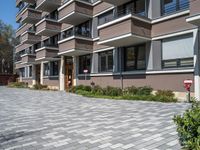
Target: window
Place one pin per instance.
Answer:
(22, 72)
(137, 7)
(177, 51)
(135, 58)
(83, 29)
(30, 71)
(106, 17)
(55, 68)
(106, 61)
(170, 6)
(46, 69)
(84, 63)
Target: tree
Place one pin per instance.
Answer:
(7, 44)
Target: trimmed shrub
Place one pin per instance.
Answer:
(146, 90)
(18, 85)
(112, 91)
(83, 87)
(97, 90)
(40, 87)
(167, 93)
(130, 90)
(188, 127)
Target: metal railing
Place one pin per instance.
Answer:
(48, 44)
(118, 13)
(76, 32)
(65, 1)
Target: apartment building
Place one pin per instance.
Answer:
(119, 43)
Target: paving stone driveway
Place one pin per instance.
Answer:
(43, 120)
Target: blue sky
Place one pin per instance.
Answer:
(8, 12)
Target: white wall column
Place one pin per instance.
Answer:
(41, 72)
(34, 74)
(62, 73)
(196, 64)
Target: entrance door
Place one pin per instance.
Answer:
(69, 76)
(37, 71)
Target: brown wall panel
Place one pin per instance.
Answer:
(172, 82)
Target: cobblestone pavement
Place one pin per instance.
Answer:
(44, 120)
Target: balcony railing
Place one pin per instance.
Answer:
(49, 45)
(30, 51)
(118, 13)
(65, 1)
(171, 8)
(74, 32)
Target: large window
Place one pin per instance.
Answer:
(83, 29)
(177, 51)
(46, 69)
(106, 61)
(84, 63)
(22, 72)
(135, 58)
(54, 68)
(105, 17)
(30, 71)
(171, 6)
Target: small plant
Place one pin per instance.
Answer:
(40, 87)
(146, 90)
(167, 93)
(188, 127)
(18, 85)
(97, 90)
(112, 91)
(130, 90)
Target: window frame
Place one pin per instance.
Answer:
(176, 8)
(84, 62)
(46, 71)
(136, 49)
(106, 54)
(53, 65)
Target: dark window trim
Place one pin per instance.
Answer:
(136, 60)
(84, 57)
(106, 55)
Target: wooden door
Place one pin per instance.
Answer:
(69, 76)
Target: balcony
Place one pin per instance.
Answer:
(124, 29)
(75, 12)
(29, 37)
(21, 47)
(28, 57)
(22, 29)
(75, 44)
(18, 2)
(48, 27)
(30, 15)
(194, 17)
(116, 2)
(29, 1)
(47, 52)
(47, 5)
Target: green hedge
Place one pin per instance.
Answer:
(40, 87)
(130, 93)
(188, 127)
(18, 85)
